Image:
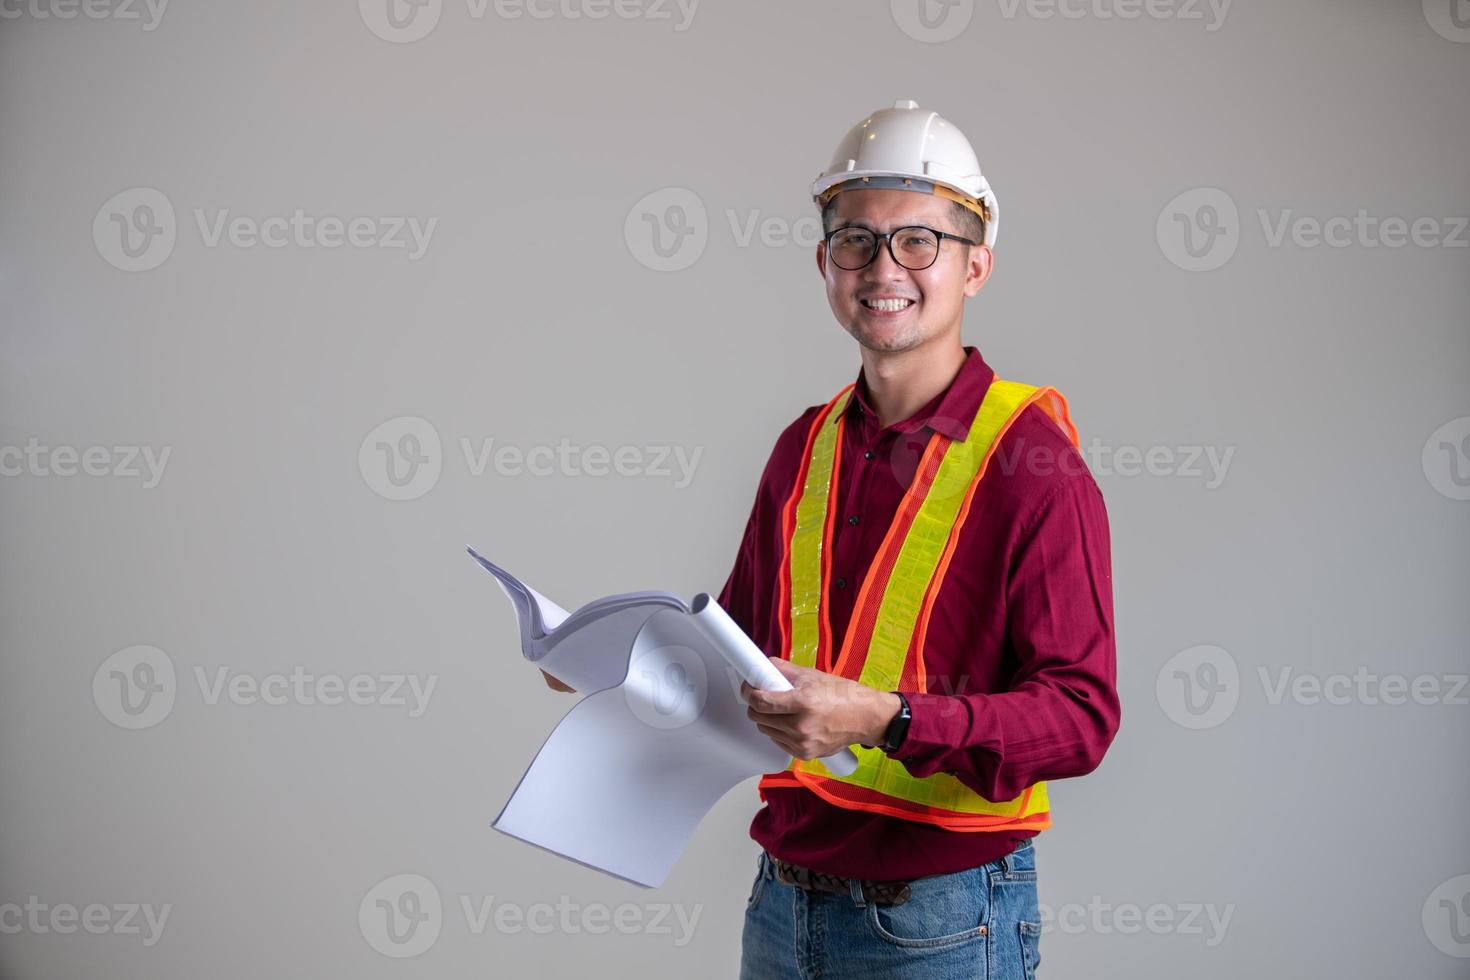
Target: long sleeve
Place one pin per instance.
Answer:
(1061, 711)
(737, 595)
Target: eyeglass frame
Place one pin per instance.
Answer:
(886, 237)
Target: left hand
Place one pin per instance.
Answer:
(822, 714)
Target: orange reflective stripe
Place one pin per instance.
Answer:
(875, 583)
(852, 797)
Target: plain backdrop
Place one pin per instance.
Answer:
(1326, 377)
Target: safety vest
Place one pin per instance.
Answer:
(884, 644)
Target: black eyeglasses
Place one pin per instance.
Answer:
(914, 247)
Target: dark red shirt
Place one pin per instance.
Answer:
(1021, 682)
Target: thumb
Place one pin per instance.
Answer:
(788, 669)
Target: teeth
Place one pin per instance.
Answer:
(887, 305)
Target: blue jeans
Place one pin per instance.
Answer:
(983, 922)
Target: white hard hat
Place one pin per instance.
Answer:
(913, 149)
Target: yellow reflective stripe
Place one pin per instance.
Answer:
(923, 546)
(893, 629)
(805, 551)
(878, 772)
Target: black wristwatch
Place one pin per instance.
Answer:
(898, 728)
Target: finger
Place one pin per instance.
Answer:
(772, 702)
(779, 738)
(775, 730)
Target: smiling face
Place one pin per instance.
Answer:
(920, 306)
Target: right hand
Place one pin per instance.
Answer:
(557, 685)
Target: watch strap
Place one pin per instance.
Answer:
(898, 728)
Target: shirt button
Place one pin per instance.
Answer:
(841, 583)
(853, 519)
(868, 454)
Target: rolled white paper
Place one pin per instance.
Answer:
(752, 664)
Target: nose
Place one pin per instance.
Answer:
(883, 268)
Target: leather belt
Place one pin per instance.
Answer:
(876, 892)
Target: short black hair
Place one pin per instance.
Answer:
(967, 222)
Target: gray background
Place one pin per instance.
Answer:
(1331, 833)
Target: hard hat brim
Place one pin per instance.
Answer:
(984, 204)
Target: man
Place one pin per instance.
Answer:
(927, 561)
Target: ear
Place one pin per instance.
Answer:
(981, 261)
(822, 258)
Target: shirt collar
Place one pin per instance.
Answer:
(950, 412)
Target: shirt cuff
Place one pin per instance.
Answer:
(938, 725)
